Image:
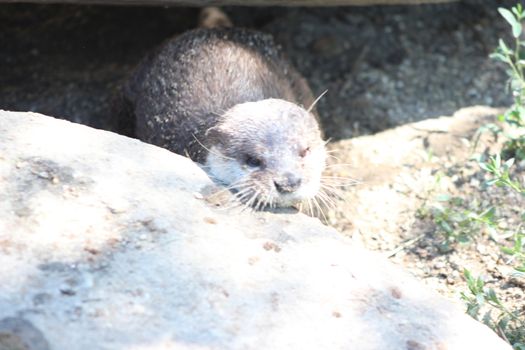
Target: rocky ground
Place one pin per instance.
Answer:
(382, 67)
(418, 174)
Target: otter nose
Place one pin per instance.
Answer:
(288, 183)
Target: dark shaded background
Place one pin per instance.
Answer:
(382, 66)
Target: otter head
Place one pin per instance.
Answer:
(269, 152)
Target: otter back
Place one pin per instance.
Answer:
(181, 90)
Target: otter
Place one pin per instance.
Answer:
(228, 99)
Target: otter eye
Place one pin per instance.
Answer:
(253, 162)
(303, 153)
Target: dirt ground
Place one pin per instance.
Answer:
(382, 67)
(406, 173)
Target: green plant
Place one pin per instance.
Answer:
(514, 147)
(510, 325)
(501, 178)
(458, 223)
(517, 252)
(501, 173)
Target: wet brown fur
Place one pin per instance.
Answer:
(180, 91)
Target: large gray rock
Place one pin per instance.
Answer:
(109, 243)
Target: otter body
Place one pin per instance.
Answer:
(228, 99)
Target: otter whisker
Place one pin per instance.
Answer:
(272, 203)
(339, 184)
(319, 209)
(241, 184)
(335, 189)
(337, 177)
(266, 200)
(327, 141)
(337, 159)
(260, 204)
(332, 191)
(219, 114)
(340, 180)
(220, 155)
(234, 204)
(239, 190)
(231, 188)
(329, 166)
(325, 198)
(256, 202)
(326, 201)
(303, 207)
(310, 209)
(241, 199)
(244, 196)
(242, 190)
(235, 200)
(250, 202)
(336, 186)
(316, 100)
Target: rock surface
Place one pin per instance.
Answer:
(109, 243)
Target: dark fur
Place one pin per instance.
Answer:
(180, 91)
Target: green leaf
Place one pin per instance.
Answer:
(491, 295)
(480, 299)
(497, 161)
(457, 201)
(509, 17)
(443, 198)
(498, 57)
(446, 227)
(485, 166)
(504, 48)
(518, 11)
(492, 182)
(488, 213)
(480, 284)
(520, 153)
(518, 274)
(509, 163)
(463, 238)
(503, 323)
(507, 250)
(520, 268)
